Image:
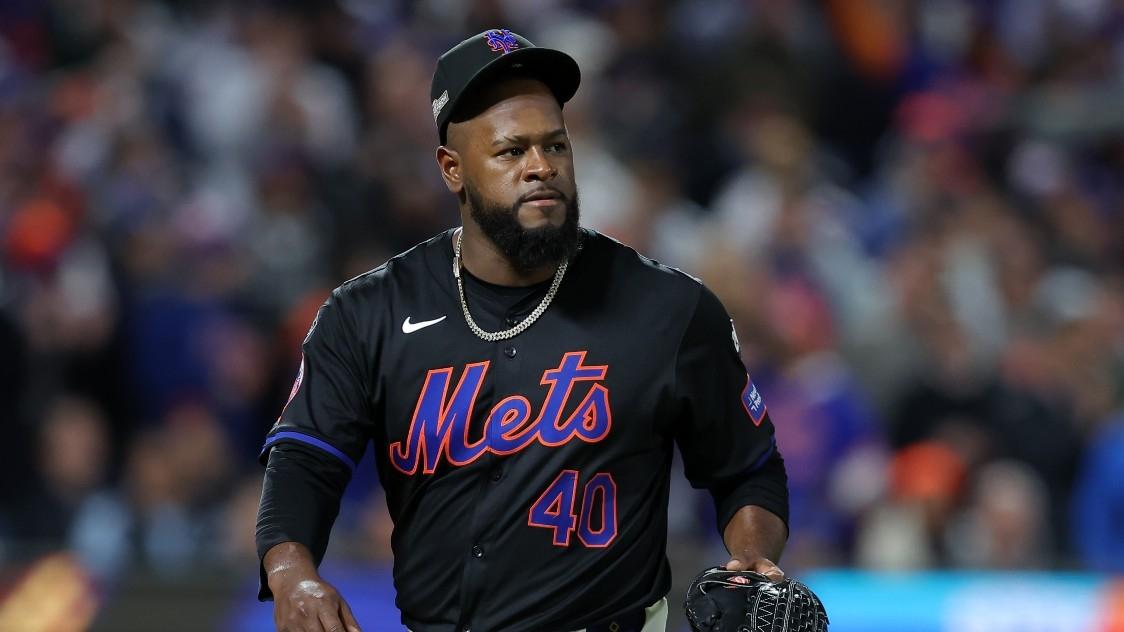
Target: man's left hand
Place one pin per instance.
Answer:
(758, 564)
(755, 537)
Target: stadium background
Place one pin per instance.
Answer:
(914, 210)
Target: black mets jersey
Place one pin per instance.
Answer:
(528, 478)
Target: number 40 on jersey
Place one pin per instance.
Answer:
(596, 521)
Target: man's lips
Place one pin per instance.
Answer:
(543, 198)
(544, 201)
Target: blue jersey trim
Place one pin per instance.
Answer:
(310, 440)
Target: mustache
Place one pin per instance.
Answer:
(545, 189)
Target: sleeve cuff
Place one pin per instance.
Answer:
(306, 439)
(764, 485)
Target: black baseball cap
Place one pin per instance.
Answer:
(491, 54)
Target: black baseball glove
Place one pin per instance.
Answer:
(742, 601)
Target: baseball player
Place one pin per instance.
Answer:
(524, 382)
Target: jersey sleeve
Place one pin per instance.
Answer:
(724, 431)
(300, 500)
(328, 406)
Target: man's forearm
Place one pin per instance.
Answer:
(755, 532)
(300, 499)
(288, 558)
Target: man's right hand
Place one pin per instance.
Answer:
(303, 601)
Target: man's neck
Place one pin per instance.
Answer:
(481, 257)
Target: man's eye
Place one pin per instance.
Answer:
(514, 151)
(557, 147)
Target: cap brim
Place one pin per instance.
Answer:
(556, 69)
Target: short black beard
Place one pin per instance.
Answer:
(526, 249)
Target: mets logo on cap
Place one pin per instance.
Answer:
(501, 40)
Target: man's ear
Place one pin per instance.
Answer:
(449, 161)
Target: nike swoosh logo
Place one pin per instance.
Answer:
(409, 328)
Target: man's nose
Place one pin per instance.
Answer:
(538, 166)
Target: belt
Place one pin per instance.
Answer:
(631, 621)
(654, 616)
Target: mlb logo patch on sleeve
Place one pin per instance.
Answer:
(754, 404)
(293, 392)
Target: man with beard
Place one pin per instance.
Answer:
(523, 381)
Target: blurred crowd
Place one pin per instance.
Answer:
(914, 212)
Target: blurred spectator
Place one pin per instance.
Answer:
(179, 481)
(827, 423)
(237, 532)
(72, 458)
(906, 532)
(1006, 524)
(663, 223)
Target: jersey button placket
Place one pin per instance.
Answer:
(478, 552)
(510, 351)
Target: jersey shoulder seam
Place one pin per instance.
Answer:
(411, 251)
(343, 297)
(649, 262)
(696, 285)
(683, 335)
